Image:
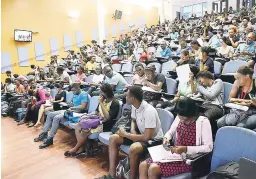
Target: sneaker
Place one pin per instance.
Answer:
(106, 177)
(41, 137)
(47, 143)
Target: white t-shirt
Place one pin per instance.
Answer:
(65, 75)
(117, 80)
(10, 88)
(147, 117)
(225, 51)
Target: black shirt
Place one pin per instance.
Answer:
(209, 63)
(56, 106)
(113, 112)
(235, 39)
(160, 78)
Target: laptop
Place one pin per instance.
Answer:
(247, 169)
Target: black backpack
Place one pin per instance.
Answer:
(228, 171)
(124, 122)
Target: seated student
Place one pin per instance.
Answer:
(116, 80)
(182, 35)
(214, 42)
(108, 109)
(192, 134)
(60, 97)
(9, 75)
(63, 75)
(41, 77)
(166, 52)
(247, 51)
(80, 76)
(21, 77)
(173, 35)
(38, 96)
(225, 50)
(139, 76)
(183, 46)
(242, 93)
(26, 86)
(80, 100)
(90, 65)
(233, 38)
(206, 63)
(97, 80)
(106, 61)
(154, 80)
(212, 92)
(9, 86)
(185, 59)
(19, 87)
(184, 89)
(145, 118)
(35, 70)
(196, 50)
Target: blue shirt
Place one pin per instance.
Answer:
(174, 35)
(78, 99)
(166, 52)
(246, 48)
(215, 42)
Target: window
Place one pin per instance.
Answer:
(187, 12)
(197, 9)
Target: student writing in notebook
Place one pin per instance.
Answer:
(242, 93)
(192, 134)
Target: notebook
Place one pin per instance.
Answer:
(159, 154)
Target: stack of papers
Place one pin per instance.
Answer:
(183, 73)
(77, 114)
(159, 154)
(237, 106)
(145, 88)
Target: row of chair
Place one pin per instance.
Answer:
(229, 67)
(227, 146)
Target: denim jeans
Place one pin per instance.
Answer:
(53, 120)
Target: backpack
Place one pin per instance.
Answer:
(4, 107)
(123, 122)
(151, 96)
(88, 121)
(123, 169)
(228, 171)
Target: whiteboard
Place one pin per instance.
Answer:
(54, 46)
(22, 35)
(79, 39)
(39, 51)
(6, 62)
(67, 42)
(23, 56)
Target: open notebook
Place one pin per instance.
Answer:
(159, 154)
